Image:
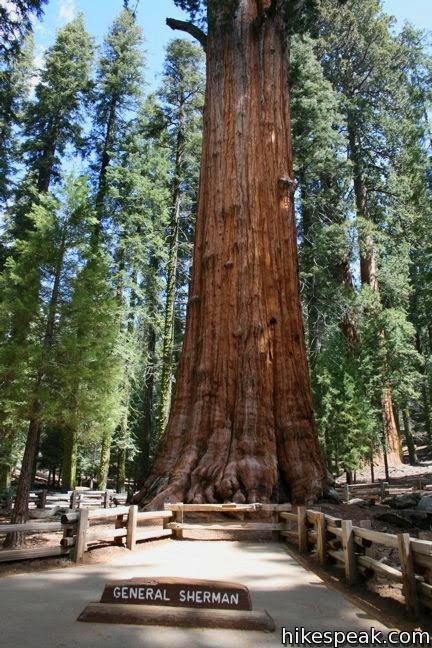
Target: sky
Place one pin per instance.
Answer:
(152, 14)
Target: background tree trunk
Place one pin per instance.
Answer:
(5, 476)
(20, 510)
(413, 459)
(70, 451)
(168, 332)
(241, 426)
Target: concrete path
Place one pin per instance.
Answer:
(39, 610)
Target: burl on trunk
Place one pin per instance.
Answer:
(241, 426)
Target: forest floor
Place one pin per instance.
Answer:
(403, 473)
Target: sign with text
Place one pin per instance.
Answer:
(178, 592)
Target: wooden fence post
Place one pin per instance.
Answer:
(384, 490)
(132, 527)
(178, 517)
(119, 524)
(74, 500)
(408, 574)
(347, 493)
(321, 532)
(106, 499)
(81, 537)
(348, 545)
(42, 499)
(302, 529)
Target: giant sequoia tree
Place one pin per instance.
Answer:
(241, 426)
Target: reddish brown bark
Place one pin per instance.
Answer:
(241, 426)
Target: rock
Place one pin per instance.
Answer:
(45, 514)
(406, 519)
(394, 518)
(42, 514)
(332, 495)
(359, 502)
(405, 501)
(331, 481)
(425, 504)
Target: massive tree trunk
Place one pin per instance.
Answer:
(241, 426)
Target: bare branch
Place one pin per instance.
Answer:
(189, 28)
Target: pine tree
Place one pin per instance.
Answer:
(14, 89)
(363, 61)
(88, 363)
(54, 120)
(139, 200)
(328, 292)
(119, 81)
(182, 103)
(16, 23)
(25, 318)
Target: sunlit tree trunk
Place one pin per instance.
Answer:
(168, 333)
(241, 426)
(104, 460)
(413, 459)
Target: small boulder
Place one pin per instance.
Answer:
(332, 495)
(406, 519)
(404, 501)
(359, 502)
(425, 504)
(395, 519)
(44, 514)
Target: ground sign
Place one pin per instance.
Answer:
(168, 602)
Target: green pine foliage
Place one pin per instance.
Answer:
(53, 120)
(16, 23)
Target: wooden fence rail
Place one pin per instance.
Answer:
(347, 545)
(75, 499)
(377, 490)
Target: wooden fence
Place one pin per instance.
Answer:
(332, 539)
(377, 491)
(339, 541)
(86, 527)
(72, 499)
(380, 490)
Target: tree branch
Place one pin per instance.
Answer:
(189, 28)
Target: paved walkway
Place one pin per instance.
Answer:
(39, 610)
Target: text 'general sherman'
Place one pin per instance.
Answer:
(179, 593)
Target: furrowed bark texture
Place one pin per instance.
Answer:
(241, 426)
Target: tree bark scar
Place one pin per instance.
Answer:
(286, 187)
(262, 8)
